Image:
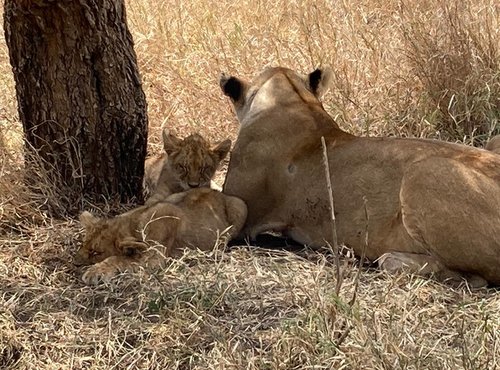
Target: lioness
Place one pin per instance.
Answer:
(494, 144)
(146, 235)
(187, 163)
(433, 207)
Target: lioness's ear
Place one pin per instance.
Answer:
(130, 247)
(319, 81)
(222, 149)
(88, 220)
(232, 87)
(170, 142)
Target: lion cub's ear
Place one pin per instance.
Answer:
(170, 142)
(222, 149)
(319, 81)
(131, 247)
(88, 220)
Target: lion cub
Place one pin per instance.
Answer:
(186, 164)
(145, 236)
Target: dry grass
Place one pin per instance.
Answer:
(406, 68)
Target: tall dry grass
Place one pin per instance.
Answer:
(414, 68)
(408, 68)
(454, 51)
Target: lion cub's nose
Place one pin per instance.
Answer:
(193, 184)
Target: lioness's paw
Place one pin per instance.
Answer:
(97, 274)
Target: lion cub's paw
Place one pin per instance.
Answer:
(99, 273)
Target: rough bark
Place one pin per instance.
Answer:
(79, 95)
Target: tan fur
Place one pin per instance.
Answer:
(434, 203)
(494, 144)
(152, 171)
(187, 163)
(144, 236)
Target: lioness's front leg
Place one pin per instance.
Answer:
(105, 270)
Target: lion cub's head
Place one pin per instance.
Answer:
(191, 161)
(104, 238)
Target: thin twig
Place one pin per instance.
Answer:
(336, 249)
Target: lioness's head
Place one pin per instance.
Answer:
(273, 88)
(192, 161)
(104, 238)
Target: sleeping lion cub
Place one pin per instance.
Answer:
(186, 164)
(145, 236)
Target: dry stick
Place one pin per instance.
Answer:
(345, 328)
(332, 215)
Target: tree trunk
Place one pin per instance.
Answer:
(80, 97)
